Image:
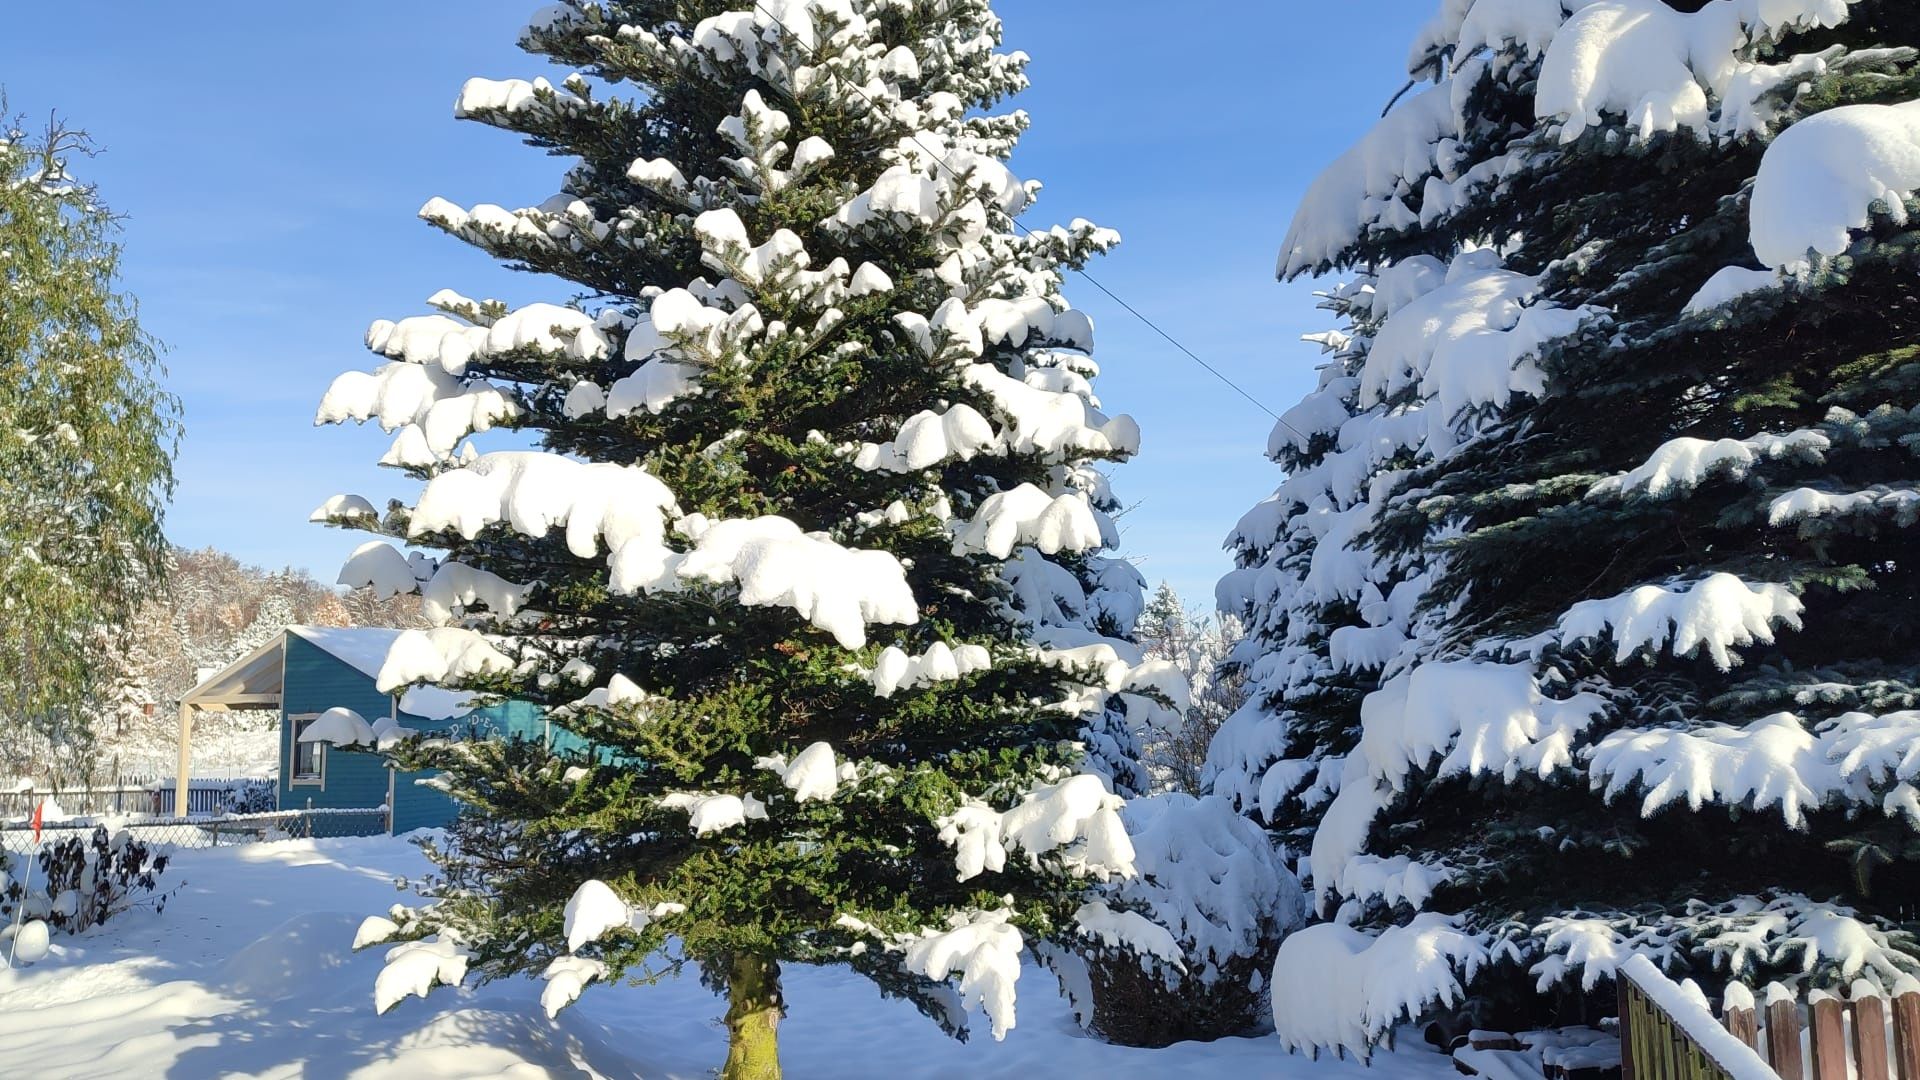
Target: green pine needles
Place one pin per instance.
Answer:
(1588, 615)
(807, 565)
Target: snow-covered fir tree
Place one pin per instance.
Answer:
(809, 555)
(1585, 622)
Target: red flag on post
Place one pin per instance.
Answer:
(39, 819)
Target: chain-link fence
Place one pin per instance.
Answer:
(214, 831)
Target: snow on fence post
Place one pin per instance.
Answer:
(1869, 1030)
(1906, 1029)
(1665, 1034)
(1738, 1015)
(1828, 1036)
(1783, 1033)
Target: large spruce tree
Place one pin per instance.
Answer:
(87, 437)
(1586, 621)
(806, 563)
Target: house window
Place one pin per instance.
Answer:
(309, 764)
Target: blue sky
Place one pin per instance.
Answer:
(269, 164)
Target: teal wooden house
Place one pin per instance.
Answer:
(307, 670)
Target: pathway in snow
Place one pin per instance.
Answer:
(248, 974)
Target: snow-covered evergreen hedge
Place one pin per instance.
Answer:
(1219, 899)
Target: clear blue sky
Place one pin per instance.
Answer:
(269, 160)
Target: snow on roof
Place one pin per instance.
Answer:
(433, 703)
(364, 648)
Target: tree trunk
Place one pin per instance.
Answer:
(753, 1014)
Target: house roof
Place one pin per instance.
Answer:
(363, 648)
(255, 680)
(251, 682)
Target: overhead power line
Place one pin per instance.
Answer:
(940, 159)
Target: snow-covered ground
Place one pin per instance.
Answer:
(248, 974)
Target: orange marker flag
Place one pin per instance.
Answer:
(39, 819)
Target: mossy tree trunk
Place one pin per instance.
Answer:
(753, 1019)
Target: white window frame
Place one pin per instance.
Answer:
(294, 779)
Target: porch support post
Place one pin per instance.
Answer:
(183, 778)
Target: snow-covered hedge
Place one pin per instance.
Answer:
(1180, 951)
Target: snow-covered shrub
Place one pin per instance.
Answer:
(1182, 950)
(251, 797)
(79, 883)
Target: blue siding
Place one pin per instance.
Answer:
(525, 720)
(316, 681)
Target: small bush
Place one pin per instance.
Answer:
(1214, 881)
(1144, 1003)
(252, 797)
(80, 883)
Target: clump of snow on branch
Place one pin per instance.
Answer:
(511, 95)
(1029, 516)
(1822, 178)
(345, 508)
(1207, 878)
(1074, 822)
(1730, 284)
(894, 670)
(983, 948)
(592, 910)
(415, 968)
(1130, 930)
(771, 560)
(439, 655)
(1806, 504)
(1714, 614)
(774, 563)
(1334, 986)
(1680, 465)
(1665, 70)
(1459, 718)
(384, 569)
(567, 978)
(1742, 936)
(709, 812)
(535, 492)
(456, 588)
(812, 774)
(340, 726)
(1777, 760)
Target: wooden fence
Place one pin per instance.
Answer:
(1669, 1032)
